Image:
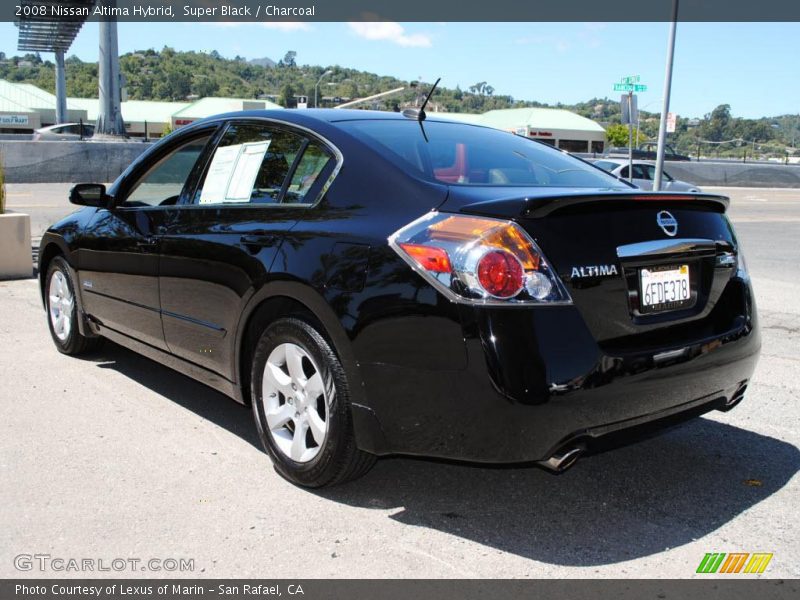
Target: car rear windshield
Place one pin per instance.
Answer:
(460, 154)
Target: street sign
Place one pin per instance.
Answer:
(630, 109)
(671, 120)
(630, 87)
(631, 79)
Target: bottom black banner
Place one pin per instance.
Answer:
(396, 589)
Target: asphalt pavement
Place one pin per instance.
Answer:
(115, 456)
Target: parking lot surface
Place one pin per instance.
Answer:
(115, 456)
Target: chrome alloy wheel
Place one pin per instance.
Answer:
(295, 402)
(60, 304)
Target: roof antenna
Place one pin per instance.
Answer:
(419, 113)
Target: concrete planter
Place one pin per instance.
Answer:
(15, 246)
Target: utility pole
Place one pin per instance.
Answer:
(109, 118)
(630, 137)
(662, 127)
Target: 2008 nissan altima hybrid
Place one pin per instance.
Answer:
(376, 283)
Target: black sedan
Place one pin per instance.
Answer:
(378, 284)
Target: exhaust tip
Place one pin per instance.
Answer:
(563, 459)
(734, 400)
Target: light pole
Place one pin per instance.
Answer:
(662, 126)
(316, 87)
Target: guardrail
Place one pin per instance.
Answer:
(714, 172)
(736, 174)
(67, 162)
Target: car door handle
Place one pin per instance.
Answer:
(258, 240)
(147, 242)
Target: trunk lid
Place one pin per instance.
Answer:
(600, 241)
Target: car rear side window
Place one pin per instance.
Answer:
(461, 154)
(67, 129)
(639, 172)
(253, 163)
(311, 165)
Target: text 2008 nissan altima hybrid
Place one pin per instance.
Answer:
(373, 284)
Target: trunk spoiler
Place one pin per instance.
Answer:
(536, 207)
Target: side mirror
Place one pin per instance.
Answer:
(89, 194)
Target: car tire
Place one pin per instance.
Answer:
(62, 311)
(301, 405)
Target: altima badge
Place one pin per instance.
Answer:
(667, 222)
(594, 271)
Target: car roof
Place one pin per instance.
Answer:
(326, 115)
(622, 161)
(329, 115)
(61, 125)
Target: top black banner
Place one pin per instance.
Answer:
(404, 10)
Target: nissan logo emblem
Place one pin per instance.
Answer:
(667, 222)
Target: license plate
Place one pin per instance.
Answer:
(664, 288)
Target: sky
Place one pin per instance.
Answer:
(751, 66)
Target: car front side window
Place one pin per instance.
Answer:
(162, 184)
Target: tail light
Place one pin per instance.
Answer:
(479, 259)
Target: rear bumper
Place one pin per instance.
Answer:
(536, 382)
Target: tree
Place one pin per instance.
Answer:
(478, 88)
(617, 135)
(289, 59)
(286, 98)
(179, 84)
(351, 90)
(716, 124)
(205, 87)
(309, 93)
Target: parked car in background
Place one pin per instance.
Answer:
(644, 173)
(64, 132)
(374, 284)
(646, 151)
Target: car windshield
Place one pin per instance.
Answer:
(460, 154)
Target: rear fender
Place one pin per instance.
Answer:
(368, 431)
